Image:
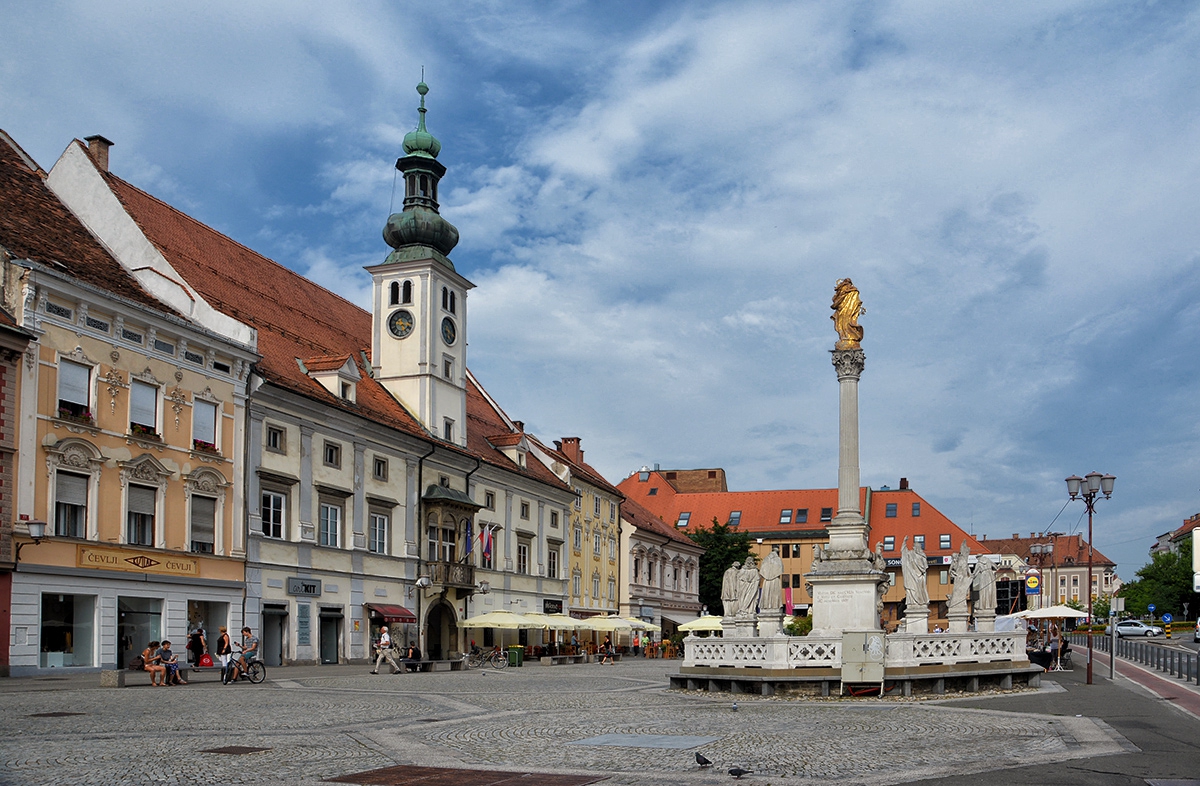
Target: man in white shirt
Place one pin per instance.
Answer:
(385, 651)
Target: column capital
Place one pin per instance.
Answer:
(849, 363)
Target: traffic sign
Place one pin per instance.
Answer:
(1167, 617)
(1151, 608)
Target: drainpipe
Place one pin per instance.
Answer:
(467, 599)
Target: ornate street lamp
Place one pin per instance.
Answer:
(1086, 488)
(1043, 551)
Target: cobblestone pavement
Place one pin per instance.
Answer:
(319, 723)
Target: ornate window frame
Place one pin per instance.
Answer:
(77, 456)
(145, 470)
(207, 482)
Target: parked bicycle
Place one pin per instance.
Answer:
(476, 658)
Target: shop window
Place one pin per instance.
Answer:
(377, 535)
(274, 514)
(143, 409)
(74, 388)
(67, 630)
(70, 505)
(204, 425)
(204, 520)
(139, 529)
(330, 524)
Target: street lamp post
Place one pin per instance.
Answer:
(1042, 551)
(1086, 488)
(37, 531)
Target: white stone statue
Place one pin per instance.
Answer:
(772, 586)
(960, 574)
(729, 589)
(914, 565)
(748, 578)
(984, 582)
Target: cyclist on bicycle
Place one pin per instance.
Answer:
(249, 653)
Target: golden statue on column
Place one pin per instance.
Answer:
(847, 308)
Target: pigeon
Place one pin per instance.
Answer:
(738, 772)
(702, 760)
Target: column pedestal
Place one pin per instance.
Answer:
(770, 623)
(745, 625)
(958, 621)
(985, 621)
(916, 621)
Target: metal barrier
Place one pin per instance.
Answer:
(1175, 663)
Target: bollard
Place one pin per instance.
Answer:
(1167, 629)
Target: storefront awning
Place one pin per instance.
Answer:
(392, 613)
(677, 618)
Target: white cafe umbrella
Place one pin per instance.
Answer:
(707, 622)
(1051, 613)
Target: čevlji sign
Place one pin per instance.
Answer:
(137, 561)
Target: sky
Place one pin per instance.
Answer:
(656, 199)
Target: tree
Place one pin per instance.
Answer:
(723, 546)
(1166, 582)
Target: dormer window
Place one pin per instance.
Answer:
(338, 375)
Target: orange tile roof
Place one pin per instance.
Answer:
(760, 512)
(644, 519)
(326, 363)
(36, 225)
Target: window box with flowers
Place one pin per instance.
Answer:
(75, 415)
(144, 432)
(200, 446)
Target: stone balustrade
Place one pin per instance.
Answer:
(903, 649)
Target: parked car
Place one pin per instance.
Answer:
(1134, 628)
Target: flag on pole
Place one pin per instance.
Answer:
(487, 543)
(470, 536)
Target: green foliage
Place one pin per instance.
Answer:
(798, 626)
(1100, 607)
(723, 546)
(1167, 583)
(1074, 603)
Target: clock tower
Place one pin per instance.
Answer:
(419, 333)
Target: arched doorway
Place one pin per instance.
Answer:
(441, 631)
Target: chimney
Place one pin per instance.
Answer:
(98, 149)
(571, 449)
(520, 424)
(1016, 536)
(903, 484)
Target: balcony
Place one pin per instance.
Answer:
(452, 575)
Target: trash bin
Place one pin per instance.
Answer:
(516, 655)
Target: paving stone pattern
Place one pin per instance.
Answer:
(318, 724)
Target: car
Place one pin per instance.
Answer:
(1134, 628)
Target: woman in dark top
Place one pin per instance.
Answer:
(224, 646)
(196, 645)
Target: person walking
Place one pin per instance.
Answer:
(384, 649)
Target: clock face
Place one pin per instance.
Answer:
(449, 332)
(400, 323)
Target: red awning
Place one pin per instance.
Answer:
(392, 613)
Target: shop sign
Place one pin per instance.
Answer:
(310, 588)
(551, 606)
(137, 561)
(303, 620)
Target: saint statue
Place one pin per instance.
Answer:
(984, 583)
(748, 578)
(847, 308)
(772, 586)
(729, 589)
(960, 574)
(914, 564)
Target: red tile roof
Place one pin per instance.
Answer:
(35, 225)
(644, 519)
(295, 318)
(326, 363)
(1068, 549)
(760, 512)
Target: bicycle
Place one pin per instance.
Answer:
(254, 671)
(497, 659)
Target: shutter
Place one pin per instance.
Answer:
(143, 405)
(141, 500)
(204, 421)
(71, 489)
(204, 516)
(73, 382)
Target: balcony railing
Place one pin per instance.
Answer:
(452, 574)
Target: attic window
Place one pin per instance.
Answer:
(735, 518)
(683, 519)
(57, 310)
(826, 514)
(653, 492)
(222, 367)
(801, 515)
(131, 335)
(193, 357)
(164, 346)
(785, 516)
(347, 391)
(98, 324)
(712, 473)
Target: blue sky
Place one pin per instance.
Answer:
(655, 201)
